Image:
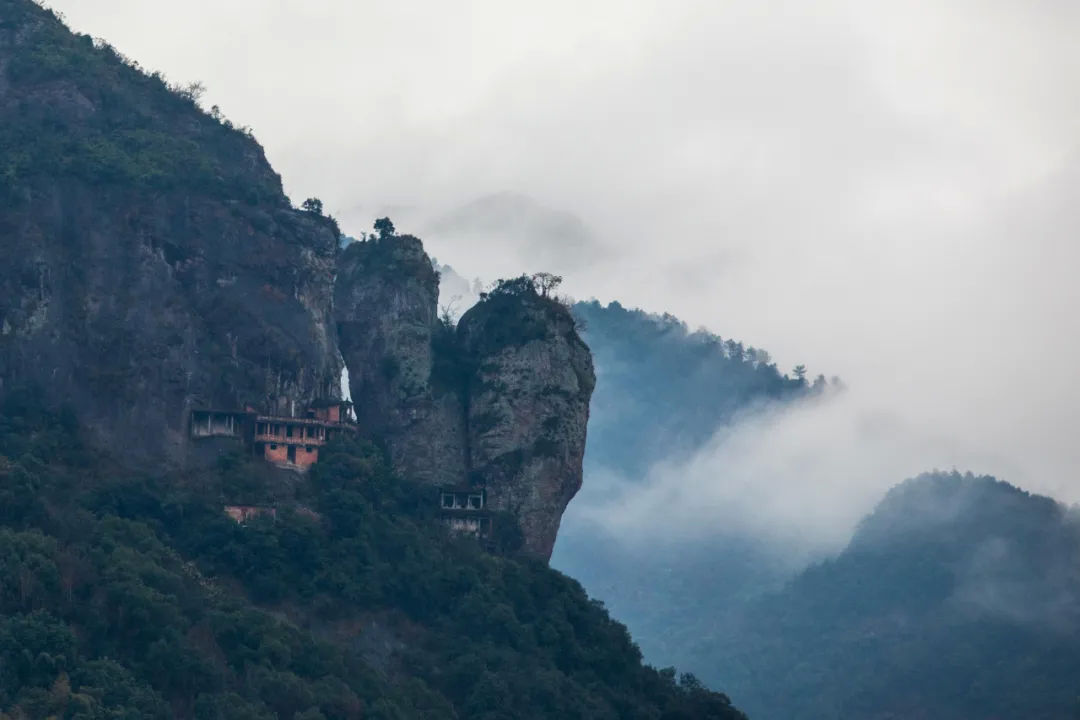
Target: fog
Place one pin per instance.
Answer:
(882, 191)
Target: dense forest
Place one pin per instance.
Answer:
(957, 598)
(136, 596)
(662, 392)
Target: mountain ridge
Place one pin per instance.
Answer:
(957, 597)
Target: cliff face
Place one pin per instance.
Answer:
(152, 263)
(386, 299)
(500, 403)
(153, 266)
(529, 389)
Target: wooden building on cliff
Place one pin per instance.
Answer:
(285, 441)
(464, 510)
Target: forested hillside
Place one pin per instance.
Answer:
(958, 598)
(662, 392)
(136, 596)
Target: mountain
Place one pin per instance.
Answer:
(154, 264)
(500, 401)
(662, 393)
(158, 271)
(958, 597)
(162, 568)
(664, 390)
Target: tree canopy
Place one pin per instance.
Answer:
(134, 596)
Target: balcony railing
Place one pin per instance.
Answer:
(282, 438)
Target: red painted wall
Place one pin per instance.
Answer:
(305, 459)
(280, 455)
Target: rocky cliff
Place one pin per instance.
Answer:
(500, 402)
(152, 262)
(386, 299)
(154, 266)
(530, 381)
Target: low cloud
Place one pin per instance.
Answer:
(797, 478)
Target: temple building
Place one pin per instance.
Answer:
(288, 442)
(464, 510)
(217, 423)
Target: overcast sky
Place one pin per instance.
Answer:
(886, 191)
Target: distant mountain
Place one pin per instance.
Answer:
(662, 392)
(517, 226)
(665, 390)
(957, 598)
(456, 294)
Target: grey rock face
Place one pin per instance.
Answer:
(152, 266)
(502, 402)
(528, 410)
(386, 308)
(136, 309)
(152, 263)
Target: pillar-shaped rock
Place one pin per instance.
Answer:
(385, 301)
(532, 379)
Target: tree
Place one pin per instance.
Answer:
(447, 311)
(313, 205)
(521, 285)
(384, 227)
(800, 373)
(193, 91)
(546, 282)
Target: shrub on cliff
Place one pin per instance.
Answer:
(519, 310)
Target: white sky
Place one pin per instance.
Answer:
(883, 190)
